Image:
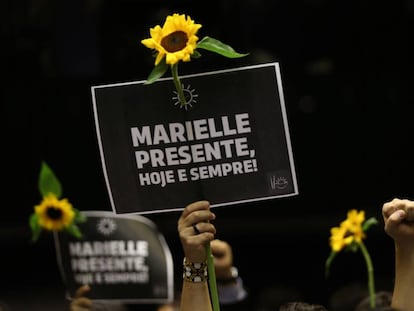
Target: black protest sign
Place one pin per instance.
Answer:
(122, 257)
(230, 145)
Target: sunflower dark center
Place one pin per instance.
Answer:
(347, 234)
(175, 41)
(54, 213)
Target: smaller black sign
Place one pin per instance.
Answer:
(122, 257)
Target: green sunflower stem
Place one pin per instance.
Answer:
(370, 269)
(212, 279)
(178, 85)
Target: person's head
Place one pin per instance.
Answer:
(168, 307)
(301, 306)
(348, 296)
(382, 302)
(271, 298)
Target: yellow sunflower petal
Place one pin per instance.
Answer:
(159, 58)
(356, 217)
(337, 241)
(149, 43)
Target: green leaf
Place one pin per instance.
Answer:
(196, 54)
(74, 230)
(216, 46)
(48, 182)
(34, 225)
(79, 216)
(157, 72)
(369, 223)
(328, 262)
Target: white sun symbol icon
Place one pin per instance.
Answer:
(281, 183)
(106, 226)
(190, 97)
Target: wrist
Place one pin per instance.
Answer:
(195, 272)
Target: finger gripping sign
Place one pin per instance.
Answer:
(230, 145)
(122, 257)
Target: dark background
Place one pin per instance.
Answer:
(347, 76)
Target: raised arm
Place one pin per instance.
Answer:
(195, 231)
(399, 224)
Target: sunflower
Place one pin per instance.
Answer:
(349, 231)
(54, 214)
(175, 41)
(349, 235)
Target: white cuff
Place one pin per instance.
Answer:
(231, 292)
